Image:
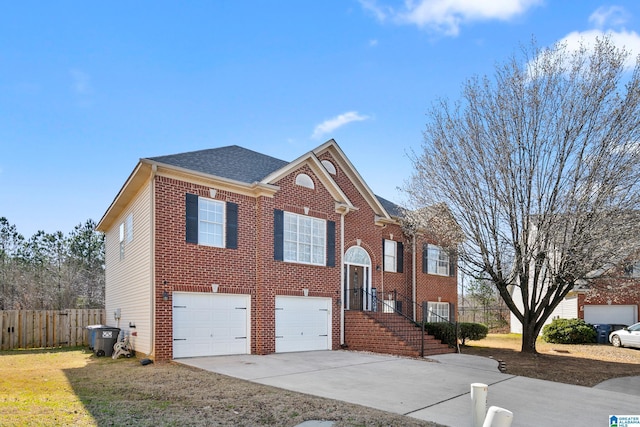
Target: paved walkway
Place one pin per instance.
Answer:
(434, 389)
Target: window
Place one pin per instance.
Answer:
(304, 239)
(392, 256)
(437, 312)
(633, 270)
(211, 222)
(436, 261)
(129, 228)
(390, 251)
(122, 241)
(305, 180)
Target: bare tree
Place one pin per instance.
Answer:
(540, 167)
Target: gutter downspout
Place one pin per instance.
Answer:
(342, 278)
(413, 275)
(152, 263)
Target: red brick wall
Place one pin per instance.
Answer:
(182, 266)
(286, 278)
(251, 269)
(360, 224)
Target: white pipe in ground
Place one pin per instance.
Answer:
(479, 393)
(498, 417)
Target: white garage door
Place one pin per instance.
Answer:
(303, 324)
(210, 324)
(611, 314)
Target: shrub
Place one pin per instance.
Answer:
(569, 331)
(443, 331)
(446, 332)
(472, 332)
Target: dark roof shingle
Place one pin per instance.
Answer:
(231, 162)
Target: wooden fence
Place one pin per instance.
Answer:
(47, 328)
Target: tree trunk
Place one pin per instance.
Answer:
(529, 337)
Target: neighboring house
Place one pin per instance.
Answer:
(610, 298)
(229, 251)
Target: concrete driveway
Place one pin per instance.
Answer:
(434, 389)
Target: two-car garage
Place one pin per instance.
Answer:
(211, 324)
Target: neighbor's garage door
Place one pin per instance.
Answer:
(611, 314)
(303, 324)
(210, 324)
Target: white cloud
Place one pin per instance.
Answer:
(629, 40)
(81, 82)
(332, 124)
(373, 43)
(379, 12)
(446, 16)
(612, 16)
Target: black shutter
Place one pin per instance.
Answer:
(192, 218)
(278, 235)
(331, 244)
(425, 258)
(232, 226)
(400, 257)
(383, 255)
(452, 265)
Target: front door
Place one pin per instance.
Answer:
(357, 288)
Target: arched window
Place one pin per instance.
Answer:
(357, 255)
(305, 180)
(329, 167)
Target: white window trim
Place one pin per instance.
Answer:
(223, 224)
(298, 244)
(436, 312)
(390, 256)
(440, 269)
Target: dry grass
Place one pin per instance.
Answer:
(73, 387)
(583, 364)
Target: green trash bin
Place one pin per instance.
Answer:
(105, 339)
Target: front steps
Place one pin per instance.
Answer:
(365, 331)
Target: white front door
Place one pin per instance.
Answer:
(302, 324)
(210, 324)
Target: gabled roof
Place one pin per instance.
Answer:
(231, 162)
(247, 169)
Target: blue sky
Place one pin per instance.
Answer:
(88, 88)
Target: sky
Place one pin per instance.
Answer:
(89, 88)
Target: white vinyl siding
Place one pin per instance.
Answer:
(128, 281)
(304, 239)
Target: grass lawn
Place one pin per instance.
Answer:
(64, 387)
(36, 391)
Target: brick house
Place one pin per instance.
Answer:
(229, 251)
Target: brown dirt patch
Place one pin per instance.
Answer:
(583, 364)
